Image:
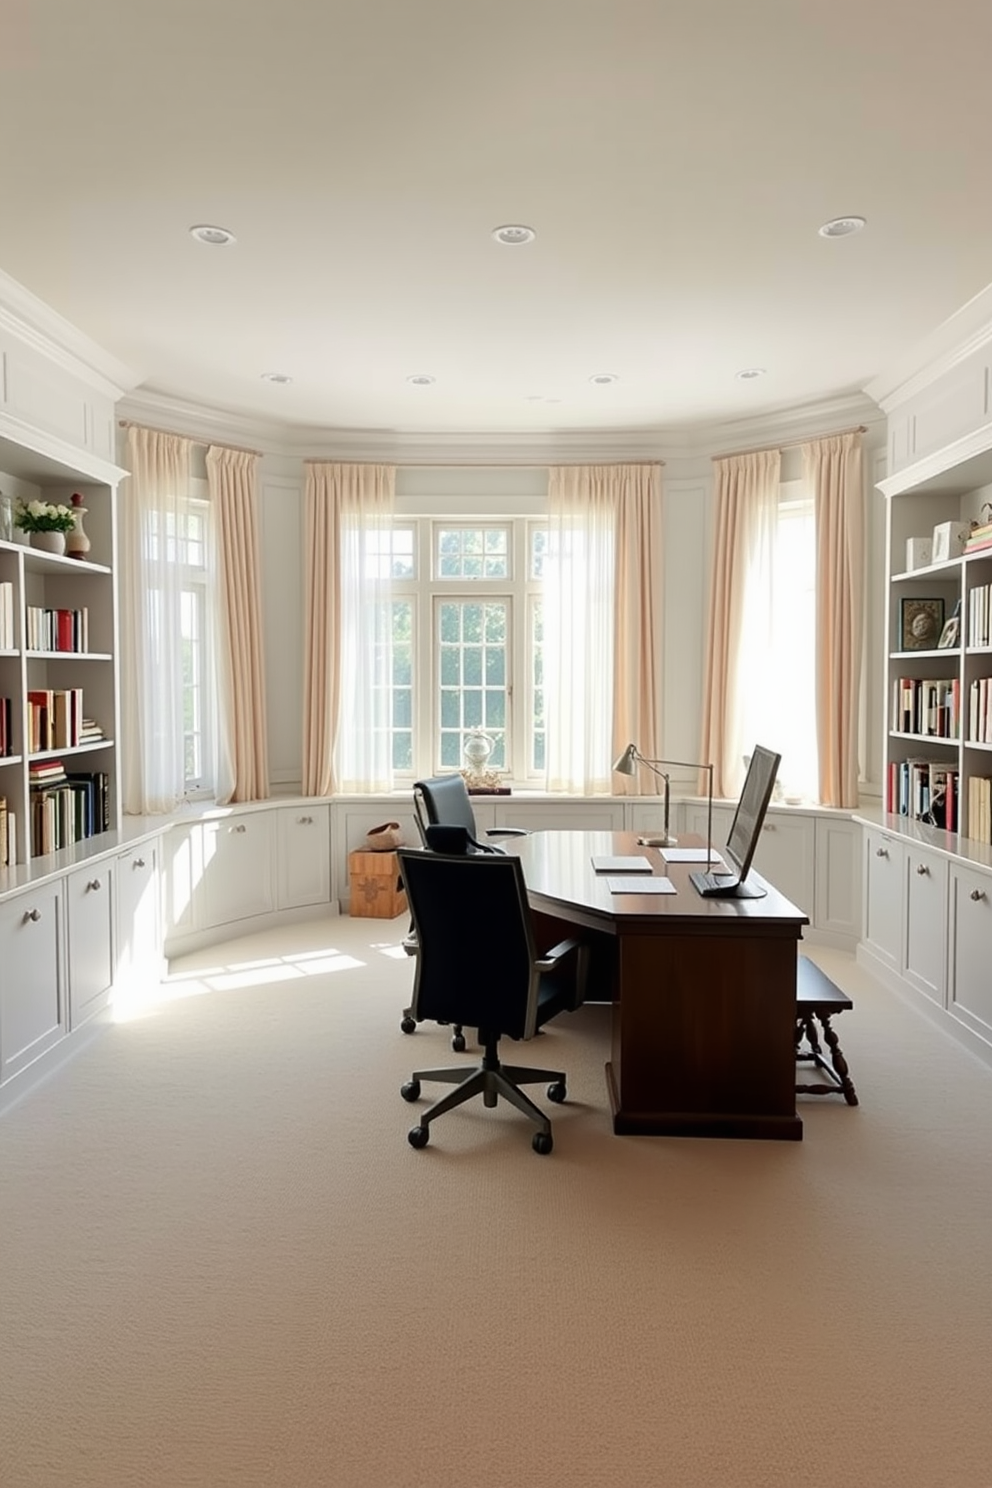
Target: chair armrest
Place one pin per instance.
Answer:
(550, 960)
(507, 832)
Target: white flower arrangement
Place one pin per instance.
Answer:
(43, 516)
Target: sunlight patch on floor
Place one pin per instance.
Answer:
(232, 976)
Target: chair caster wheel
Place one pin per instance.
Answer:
(411, 1092)
(557, 1092)
(408, 1025)
(417, 1136)
(458, 1043)
(542, 1142)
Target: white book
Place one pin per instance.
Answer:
(620, 863)
(625, 885)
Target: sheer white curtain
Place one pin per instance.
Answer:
(153, 511)
(578, 609)
(347, 740)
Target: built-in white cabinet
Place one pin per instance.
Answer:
(238, 867)
(837, 878)
(884, 897)
(304, 856)
(925, 955)
(138, 917)
(89, 893)
(970, 984)
(32, 987)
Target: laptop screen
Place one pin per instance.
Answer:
(755, 795)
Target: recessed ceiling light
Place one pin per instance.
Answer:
(276, 377)
(747, 374)
(215, 237)
(841, 227)
(601, 378)
(513, 234)
(420, 379)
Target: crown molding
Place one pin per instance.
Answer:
(584, 446)
(952, 342)
(37, 325)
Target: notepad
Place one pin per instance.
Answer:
(631, 885)
(692, 855)
(621, 863)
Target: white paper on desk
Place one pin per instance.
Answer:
(621, 863)
(640, 885)
(691, 855)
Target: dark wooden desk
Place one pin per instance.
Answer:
(703, 990)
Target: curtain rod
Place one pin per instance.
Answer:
(203, 443)
(790, 443)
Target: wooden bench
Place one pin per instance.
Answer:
(817, 1000)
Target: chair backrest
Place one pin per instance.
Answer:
(475, 941)
(443, 800)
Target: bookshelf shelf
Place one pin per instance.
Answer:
(50, 605)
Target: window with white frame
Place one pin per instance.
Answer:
(777, 681)
(183, 540)
(463, 642)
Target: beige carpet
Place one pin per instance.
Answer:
(222, 1264)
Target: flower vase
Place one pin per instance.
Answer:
(77, 543)
(48, 542)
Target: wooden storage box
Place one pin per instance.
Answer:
(374, 882)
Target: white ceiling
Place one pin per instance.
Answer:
(675, 160)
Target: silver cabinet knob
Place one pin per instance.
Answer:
(32, 914)
(240, 827)
(94, 883)
(881, 852)
(922, 868)
(977, 894)
(304, 821)
(138, 863)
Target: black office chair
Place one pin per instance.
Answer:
(443, 800)
(477, 964)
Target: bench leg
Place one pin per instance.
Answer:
(835, 1068)
(838, 1061)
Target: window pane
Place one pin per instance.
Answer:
(473, 671)
(472, 552)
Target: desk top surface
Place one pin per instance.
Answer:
(559, 874)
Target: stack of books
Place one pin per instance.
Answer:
(65, 808)
(56, 630)
(8, 835)
(979, 537)
(926, 790)
(55, 718)
(980, 809)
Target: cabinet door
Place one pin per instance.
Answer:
(304, 856)
(785, 855)
(970, 989)
(926, 923)
(694, 816)
(32, 1002)
(138, 922)
(884, 896)
(90, 962)
(182, 875)
(837, 876)
(238, 877)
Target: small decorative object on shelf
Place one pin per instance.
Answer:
(920, 624)
(45, 523)
(919, 552)
(6, 518)
(77, 543)
(477, 748)
(949, 539)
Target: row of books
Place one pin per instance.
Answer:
(8, 834)
(979, 537)
(56, 630)
(979, 809)
(926, 790)
(927, 705)
(980, 616)
(980, 711)
(7, 640)
(56, 720)
(66, 808)
(6, 727)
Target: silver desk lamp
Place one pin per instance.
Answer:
(631, 758)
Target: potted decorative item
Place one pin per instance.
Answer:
(77, 543)
(45, 523)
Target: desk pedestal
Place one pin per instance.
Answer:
(703, 1035)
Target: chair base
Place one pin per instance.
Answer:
(491, 1080)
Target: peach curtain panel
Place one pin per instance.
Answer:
(746, 490)
(154, 498)
(833, 469)
(242, 739)
(338, 500)
(602, 609)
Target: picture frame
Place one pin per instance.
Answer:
(951, 633)
(921, 623)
